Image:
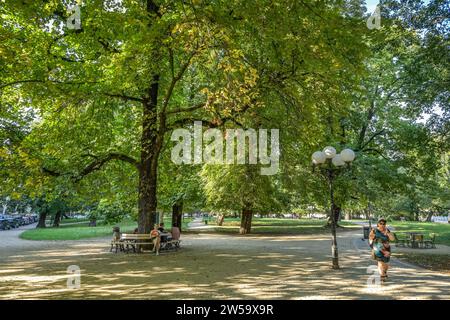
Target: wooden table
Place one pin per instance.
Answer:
(416, 239)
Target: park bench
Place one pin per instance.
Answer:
(415, 240)
(170, 244)
(132, 241)
(400, 241)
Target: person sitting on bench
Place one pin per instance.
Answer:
(116, 234)
(163, 233)
(156, 239)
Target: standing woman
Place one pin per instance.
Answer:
(381, 250)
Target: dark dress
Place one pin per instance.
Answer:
(380, 245)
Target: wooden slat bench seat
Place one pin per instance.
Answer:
(132, 241)
(170, 244)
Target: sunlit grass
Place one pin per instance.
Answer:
(442, 230)
(83, 231)
(280, 226)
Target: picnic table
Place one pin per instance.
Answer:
(415, 240)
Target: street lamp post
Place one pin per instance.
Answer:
(330, 165)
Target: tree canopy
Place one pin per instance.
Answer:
(87, 113)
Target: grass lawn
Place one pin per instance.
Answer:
(280, 226)
(49, 222)
(74, 220)
(442, 230)
(83, 231)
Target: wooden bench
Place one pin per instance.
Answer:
(170, 244)
(400, 241)
(429, 243)
(132, 241)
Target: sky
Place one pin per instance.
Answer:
(371, 4)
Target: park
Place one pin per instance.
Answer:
(216, 150)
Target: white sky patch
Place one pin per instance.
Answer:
(426, 116)
(372, 4)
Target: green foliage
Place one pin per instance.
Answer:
(72, 102)
(442, 230)
(109, 212)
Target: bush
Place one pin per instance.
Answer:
(109, 212)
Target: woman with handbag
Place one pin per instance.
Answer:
(381, 249)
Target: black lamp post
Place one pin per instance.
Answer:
(331, 165)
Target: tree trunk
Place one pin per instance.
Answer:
(337, 214)
(429, 216)
(416, 215)
(177, 212)
(348, 215)
(151, 142)
(57, 219)
(220, 219)
(42, 217)
(246, 221)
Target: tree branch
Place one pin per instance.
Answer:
(179, 110)
(51, 172)
(376, 151)
(19, 81)
(373, 137)
(98, 163)
(175, 80)
(211, 124)
(370, 115)
(124, 97)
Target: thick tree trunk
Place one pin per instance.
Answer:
(246, 221)
(151, 142)
(348, 215)
(42, 217)
(177, 212)
(220, 219)
(57, 219)
(429, 216)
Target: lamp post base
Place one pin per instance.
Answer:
(335, 263)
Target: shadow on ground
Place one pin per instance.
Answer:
(212, 267)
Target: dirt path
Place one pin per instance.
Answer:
(199, 225)
(209, 266)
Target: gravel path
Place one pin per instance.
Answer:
(199, 225)
(209, 266)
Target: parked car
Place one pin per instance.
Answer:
(4, 225)
(8, 223)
